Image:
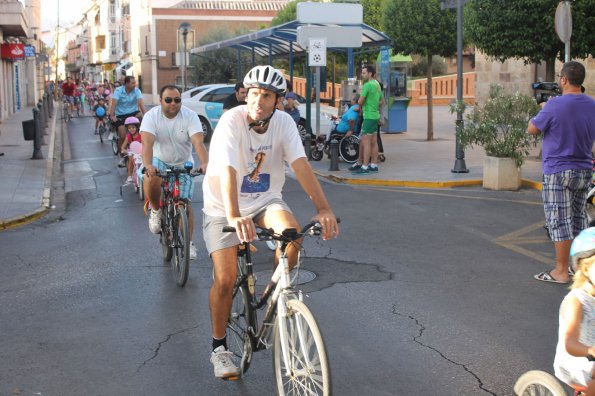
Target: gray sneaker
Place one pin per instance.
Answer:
(155, 221)
(223, 365)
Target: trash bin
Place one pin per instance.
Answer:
(397, 115)
(29, 129)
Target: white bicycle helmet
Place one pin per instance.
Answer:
(266, 77)
(583, 246)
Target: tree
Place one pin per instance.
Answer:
(524, 29)
(219, 65)
(420, 27)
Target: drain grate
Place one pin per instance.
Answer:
(304, 276)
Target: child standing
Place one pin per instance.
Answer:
(573, 363)
(132, 125)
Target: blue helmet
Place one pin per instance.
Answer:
(583, 246)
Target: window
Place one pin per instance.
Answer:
(113, 42)
(100, 42)
(218, 95)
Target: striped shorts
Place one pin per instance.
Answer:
(564, 199)
(186, 182)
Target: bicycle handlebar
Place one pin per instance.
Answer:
(176, 171)
(313, 228)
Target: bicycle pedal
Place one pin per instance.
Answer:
(233, 378)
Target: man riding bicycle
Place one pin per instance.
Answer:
(168, 133)
(68, 88)
(127, 101)
(243, 186)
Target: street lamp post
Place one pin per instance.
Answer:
(184, 27)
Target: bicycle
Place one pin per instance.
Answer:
(66, 110)
(537, 382)
(300, 360)
(101, 129)
(115, 138)
(174, 238)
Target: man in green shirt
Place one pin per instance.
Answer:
(370, 100)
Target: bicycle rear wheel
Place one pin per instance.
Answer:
(238, 339)
(181, 247)
(306, 369)
(101, 131)
(538, 383)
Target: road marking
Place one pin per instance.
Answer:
(514, 241)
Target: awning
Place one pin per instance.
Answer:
(282, 39)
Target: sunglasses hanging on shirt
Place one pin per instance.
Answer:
(169, 100)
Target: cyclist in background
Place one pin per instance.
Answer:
(127, 101)
(100, 111)
(68, 88)
(243, 186)
(169, 132)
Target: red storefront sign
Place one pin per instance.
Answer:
(13, 51)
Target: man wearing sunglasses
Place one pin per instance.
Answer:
(168, 133)
(127, 101)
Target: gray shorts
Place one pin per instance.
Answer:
(215, 239)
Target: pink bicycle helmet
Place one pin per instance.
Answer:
(132, 121)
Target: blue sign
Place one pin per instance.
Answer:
(29, 51)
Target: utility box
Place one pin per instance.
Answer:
(29, 129)
(396, 70)
(349, 88)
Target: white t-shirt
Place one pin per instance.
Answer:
(172, 136)
(258, 159)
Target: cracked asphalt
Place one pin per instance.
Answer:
(424, 292)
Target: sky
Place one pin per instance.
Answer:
(70, 11)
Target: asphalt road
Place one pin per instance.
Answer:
(424, 292)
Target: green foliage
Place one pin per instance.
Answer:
(524, 29)
(420, 27)
(420, 67)
(219, 66)
(500, 126)
(372, 13)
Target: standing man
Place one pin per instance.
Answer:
(168, 133)
(235, 99)
(567, 123)
(370, 100)
(127, 101)
(243, 187)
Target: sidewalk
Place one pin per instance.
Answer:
(411, 161)
(25, 184)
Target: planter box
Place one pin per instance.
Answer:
(501, 174)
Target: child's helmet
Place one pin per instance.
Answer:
(132, 121)
(100, 112)
(106, 92)
(583, 246)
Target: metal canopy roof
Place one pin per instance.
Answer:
(282, 39)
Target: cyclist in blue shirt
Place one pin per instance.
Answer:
(127, 101)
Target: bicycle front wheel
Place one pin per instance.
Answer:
(300, 362)
(238, 340)
(538, 383)
(115, 142)
(181, 247)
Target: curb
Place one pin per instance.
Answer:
(415, 183)
(23, 219)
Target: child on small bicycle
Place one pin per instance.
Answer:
(100, 111)
(132, 125)
(573, 363)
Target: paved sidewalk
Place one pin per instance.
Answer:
(411, 161)
(25, 183)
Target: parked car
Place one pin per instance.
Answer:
(207, 102)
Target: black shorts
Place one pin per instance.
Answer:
(121, 118)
